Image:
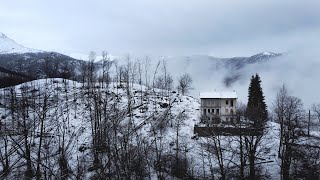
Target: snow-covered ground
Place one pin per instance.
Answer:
(69, 107)
(157, 118)
(70, 110)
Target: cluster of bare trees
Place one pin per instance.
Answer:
(298, 149)
(35, 132)
(40, 139)
(118, 149)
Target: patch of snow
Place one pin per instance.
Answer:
(267, 53)
(219, 95)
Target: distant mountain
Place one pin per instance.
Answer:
(235, 63)
(33, 63)
(240, 62)
(40, 64)
(228, 70)
(37, 64)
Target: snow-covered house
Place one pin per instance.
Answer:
(218, 107)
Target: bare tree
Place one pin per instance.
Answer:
(241, 151)
(184, 83)
(146, 71)
(316, 110)
(288, 111)
(106, 65)
(91, 69)
(140, 78)
(180, 166)
(220, 154)
(42, 116)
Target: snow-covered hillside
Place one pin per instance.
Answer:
(69, 101)
(146, 121)
(8, 46)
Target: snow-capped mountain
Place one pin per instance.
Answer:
(22, 62)
(8, 46)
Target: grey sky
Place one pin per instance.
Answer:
(221, 28)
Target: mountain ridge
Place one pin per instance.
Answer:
(43, 64)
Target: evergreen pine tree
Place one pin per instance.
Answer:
(257, 115)
(256, 111)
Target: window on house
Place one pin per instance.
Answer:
(231, 102)
(204, 111)
(208, 111)
(217, 111)
(231, 111)
(212, 110)
(227, 102)
(227, 111)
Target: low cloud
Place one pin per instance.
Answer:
(223, 28)
(298, 70)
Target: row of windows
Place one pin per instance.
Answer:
(212, 111)
(210, 102)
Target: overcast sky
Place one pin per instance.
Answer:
(221, 28)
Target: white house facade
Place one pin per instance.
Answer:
(218, 107)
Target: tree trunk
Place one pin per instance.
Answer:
(252, 175)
